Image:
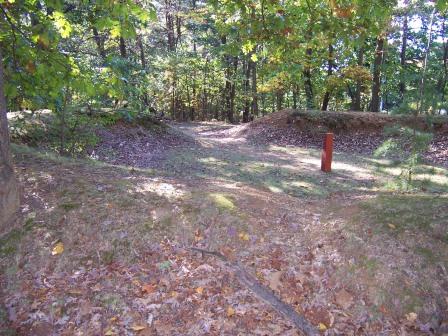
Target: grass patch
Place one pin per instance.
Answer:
(396, 213)
(69, 206)
(223, 202)
(10, 241)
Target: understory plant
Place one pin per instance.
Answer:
(407, 146)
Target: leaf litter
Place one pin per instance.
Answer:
(120, 276)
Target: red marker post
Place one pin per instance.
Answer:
(327, 153)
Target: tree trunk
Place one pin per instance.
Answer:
(246, 111)
(9, 188)
(229, 90)
(356, 101)
(123, 52)
(404, 42)
(376, 85)
(254, 106)
(425, 64)
(307, 74)
(295, 94)
(279, 96)
(143, 62)
(99, 43)
(326, 99)
(169, 21)
(232, 90)
(444, 75)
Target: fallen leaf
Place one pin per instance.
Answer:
(392, 226)
(411, 317)
(322, 327)
(230, 311)
(149, 288)
(57, 249)
(138, 327)
(200, 290)
(243, 236)
(344, 299)
(109, 332)
(198, 236)
(274, 279)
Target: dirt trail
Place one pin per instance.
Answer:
(339, 249)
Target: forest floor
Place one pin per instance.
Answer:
(105, 248)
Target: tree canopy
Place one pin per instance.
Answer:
(224, 59)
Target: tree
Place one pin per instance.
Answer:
(9, 189)
(376, 85)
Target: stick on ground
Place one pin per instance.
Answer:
(265, 294)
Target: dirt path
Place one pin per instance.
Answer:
(341, 249)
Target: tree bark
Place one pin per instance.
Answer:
(326, 99)
(309, 94)
(99, 43)
(169, 21)
(425, 64)
(279, 96)
(123, 52)
(404, 42)
(356, 101)
(444, 75)
(295, 94)
(233, 89)
(246, 90)
(376, 85)
(254, 105)
(9, 188)
(143, 63)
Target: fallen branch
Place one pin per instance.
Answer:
(265, 294)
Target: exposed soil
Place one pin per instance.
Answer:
(343, 249)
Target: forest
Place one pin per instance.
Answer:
(223, 167)
(226, 60)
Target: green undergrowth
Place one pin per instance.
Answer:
(396, 213)
(73, 132)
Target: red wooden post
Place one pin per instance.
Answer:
(327, 153)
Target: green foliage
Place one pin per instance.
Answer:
(407, 145)
(69, 131)
(186, 65)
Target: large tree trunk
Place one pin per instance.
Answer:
(376, 85)
(9, 188)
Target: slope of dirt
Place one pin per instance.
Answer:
(136, 146)
(355, 132)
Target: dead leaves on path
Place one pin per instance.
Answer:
(195, 295)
